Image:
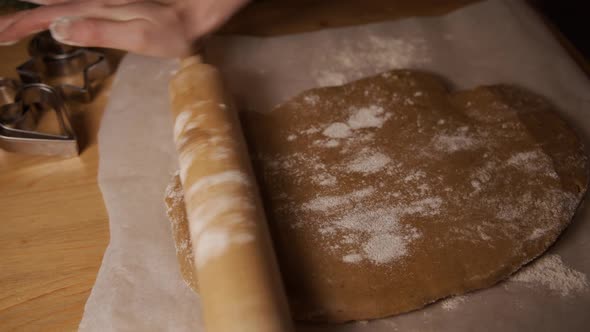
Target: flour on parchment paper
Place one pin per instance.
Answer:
(356, 59)
(452, 303)
(549, 272)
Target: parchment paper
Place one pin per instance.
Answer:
(139, 287)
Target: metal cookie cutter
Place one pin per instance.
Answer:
(76, 72)
(34, 119)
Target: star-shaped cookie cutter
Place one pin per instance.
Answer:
(22, 107)
(61, 66)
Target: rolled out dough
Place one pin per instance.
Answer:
(389, 193)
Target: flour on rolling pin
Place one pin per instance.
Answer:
(199, 141)
(215, 144)
(233, 255)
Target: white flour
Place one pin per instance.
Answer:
(368, 162)
(355, 59)
(212, 214)
(452, 303)
(326, 203)
(352, 258)
(382, 238)
(454, 142)
(551, 273)
(337, 130)
(547, 272)
(384, 248)
(368, 117)
(212, 241)
(175, 194)
(533, 161)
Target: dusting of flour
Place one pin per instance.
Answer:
(547, 272)
(452, 303)
(368, 161)
(368, 56)
(551, 273)
(379, 170)
(373, 229)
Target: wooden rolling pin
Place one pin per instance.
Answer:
(239, 281)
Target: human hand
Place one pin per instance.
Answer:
(167, 28)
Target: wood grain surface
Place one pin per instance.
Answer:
(54, 227)
(53, 224)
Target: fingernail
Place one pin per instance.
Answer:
(60, 28)
(8, 43)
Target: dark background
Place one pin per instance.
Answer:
(572, 19)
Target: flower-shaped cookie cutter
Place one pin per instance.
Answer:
(24, 110)
(76, 72)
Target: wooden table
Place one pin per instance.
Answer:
(54, 227)
(53, 224)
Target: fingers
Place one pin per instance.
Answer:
(5, 22)
(137, 35)
(159, 28)
(25, 23)
(56, 2)
(46, 2)
(38, 19)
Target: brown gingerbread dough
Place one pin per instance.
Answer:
(389, 193)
